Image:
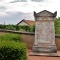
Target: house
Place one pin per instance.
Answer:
(26, 22)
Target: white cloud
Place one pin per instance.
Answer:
(27, 1)
(28, 7)
(23, 7)
(31, 6)
(37, 0)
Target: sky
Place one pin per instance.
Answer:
(13, 11)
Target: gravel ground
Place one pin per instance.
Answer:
(41, 57)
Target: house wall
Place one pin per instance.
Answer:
(23, 23)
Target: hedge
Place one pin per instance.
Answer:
(11, 37)
(17, 27)
(11, 50)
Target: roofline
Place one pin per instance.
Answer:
(24, 21)
(20, 21)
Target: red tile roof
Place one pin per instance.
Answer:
(29, 22)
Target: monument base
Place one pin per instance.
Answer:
(49, 49)
(44, 54)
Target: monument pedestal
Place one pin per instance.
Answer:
(50, 49)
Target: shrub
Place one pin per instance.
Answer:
(2, 26)
(33, 28)
(17, 27)
(26, 28)
(11, 50)
(14, 37)
(57, 26)
(10, 27)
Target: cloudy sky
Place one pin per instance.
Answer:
(13, 11)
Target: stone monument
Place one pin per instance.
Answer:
(44, 32)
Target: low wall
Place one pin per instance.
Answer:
(57, 41)
(29, 38)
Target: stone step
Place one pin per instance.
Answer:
(41, 49)
(49, 49)
(44, 54)
(44, 49)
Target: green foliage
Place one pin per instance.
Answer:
(2, 26)
(57, 26)
(25, 28)
(10, 27)
(17, 27)
(33, 28)
(10, 37)
(11, 50)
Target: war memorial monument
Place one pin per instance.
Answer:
(44, 33)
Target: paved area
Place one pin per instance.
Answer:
(41, 57)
